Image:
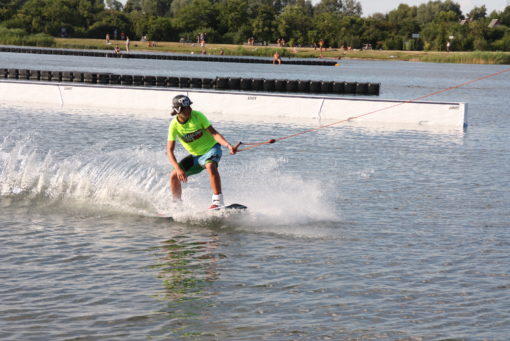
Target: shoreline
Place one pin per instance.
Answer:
(474, 57)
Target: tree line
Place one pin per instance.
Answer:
(339, 23)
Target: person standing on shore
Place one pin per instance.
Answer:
(202, 141)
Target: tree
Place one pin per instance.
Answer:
(504, 17)
(132, 6)
(114, 4)
(293, 24)
(403, 21)
(350, 32)
(139, 23)
(327, 26)
(328, 6)
(177, 5)
(426, 13)
(375, 30)
(352, 8)
(264, 23)
(197, 15)
(234, 20)
(8, 8)
(157, 8)
(478, 13)
(160, 28)
(108, 22)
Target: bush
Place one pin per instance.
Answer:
(160, 29)
(20, 37)
(502, 44)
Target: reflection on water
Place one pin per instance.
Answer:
(186, 266)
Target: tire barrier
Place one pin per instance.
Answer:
(280, 85)
(149, 81)
(67, 76)
(349, 88)
(78, 77)
(173, 82)
(115, 79)
(246, 84)
(292, 86)
(196, 83)
(219, 83)
(361, 88)
(303, 86)
(160, 81)
(46, 75)
(257, 84)
(137, 80)
(326, 87)
(12, 73)
(56, 76)
(35, 75)
(198, 58)
(207, 83)
(315, 86)
(234, 83)
(268, 85)
(184, 82)
(24, 74)
(126, 80)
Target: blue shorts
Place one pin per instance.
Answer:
(194, 164)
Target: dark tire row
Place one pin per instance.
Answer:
(218, 83)
(202, 58)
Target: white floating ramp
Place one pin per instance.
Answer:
(237, 105)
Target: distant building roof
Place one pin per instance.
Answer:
(494, 23)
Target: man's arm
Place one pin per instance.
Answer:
(221, 140)
(170, 146)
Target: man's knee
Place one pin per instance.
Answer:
(211, 167)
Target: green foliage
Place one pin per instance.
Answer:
(300, 22)
(108, 22)
(199, 14)
(264, 23)
(21, 37)
(477, 57)
(294, 23)
(160, 29)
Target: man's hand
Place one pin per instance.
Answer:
(232, 149)
(181, 175)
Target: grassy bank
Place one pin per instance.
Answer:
(476, 57)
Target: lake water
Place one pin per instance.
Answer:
(352, 233)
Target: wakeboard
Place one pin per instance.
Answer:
(230, 207)
(223, 210)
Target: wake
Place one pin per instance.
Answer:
(134, 181)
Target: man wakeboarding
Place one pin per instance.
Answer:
(202, 141)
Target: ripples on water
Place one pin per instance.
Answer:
(353, 232)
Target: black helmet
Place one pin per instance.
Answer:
(179, 102)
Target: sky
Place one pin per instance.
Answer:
(384, 6)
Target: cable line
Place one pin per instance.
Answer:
(270, 141)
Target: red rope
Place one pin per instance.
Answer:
(257, 144)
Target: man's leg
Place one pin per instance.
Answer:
(175, 186)
(214, 177)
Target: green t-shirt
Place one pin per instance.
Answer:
(192, 134)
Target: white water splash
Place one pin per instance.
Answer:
(135, 181)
